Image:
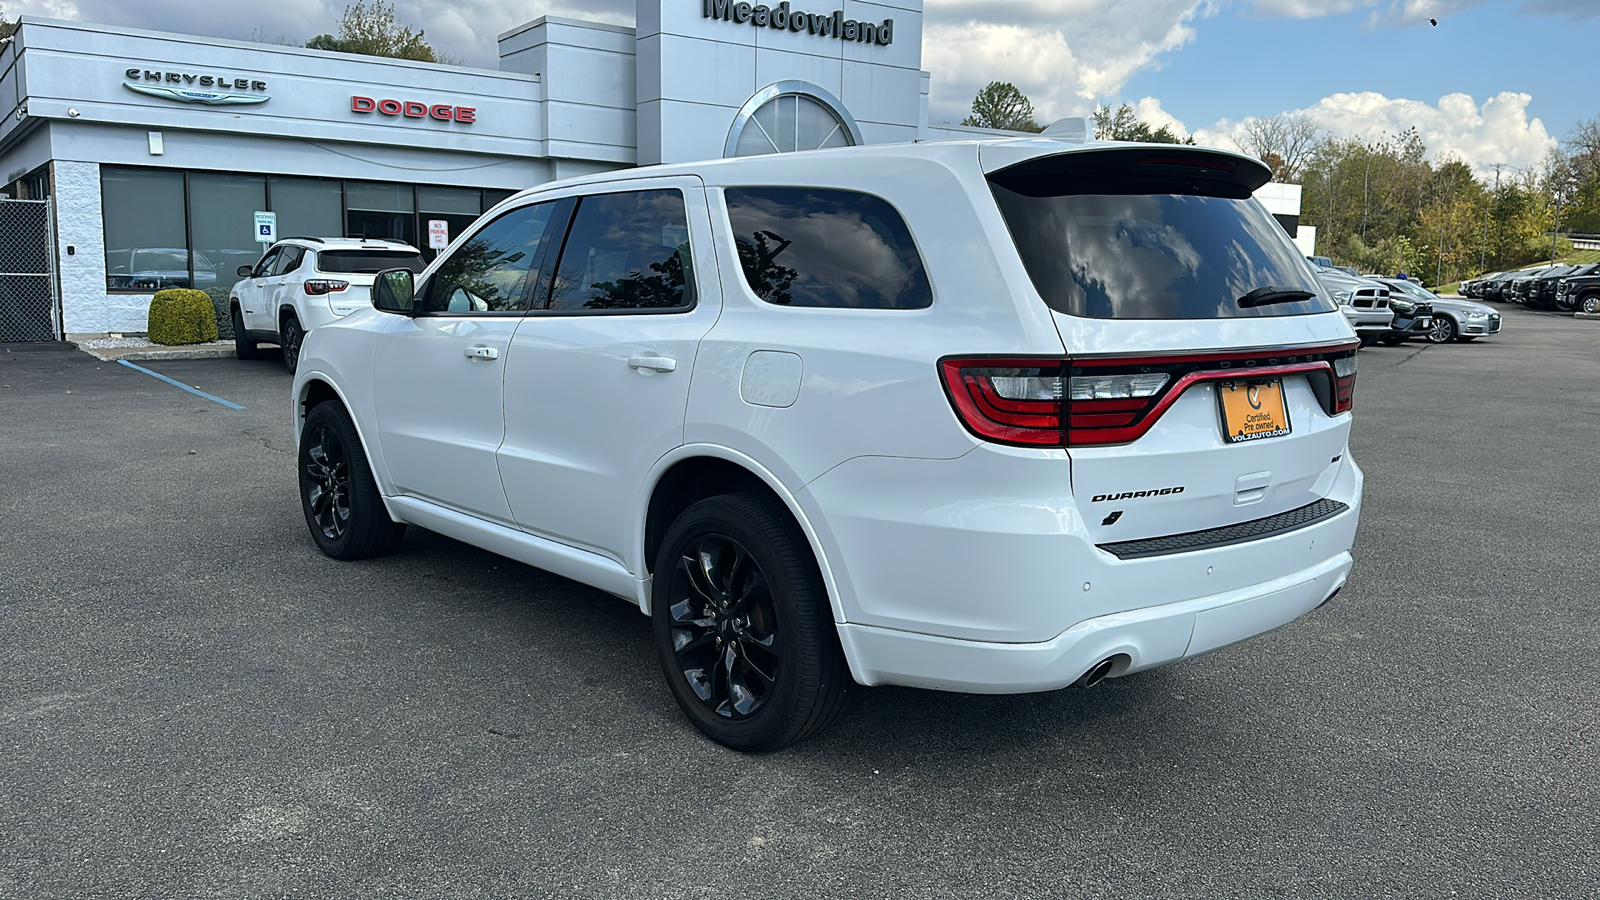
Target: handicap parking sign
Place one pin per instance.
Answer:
(266, 227)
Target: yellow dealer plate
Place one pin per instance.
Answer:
(1252, 410)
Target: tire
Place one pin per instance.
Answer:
(243, 346)
(743, 627)
(1589, 303)
(1391, 340)
(1443, 330)
(340, 499)
(290, 337)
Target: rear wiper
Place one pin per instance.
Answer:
(1263, 296)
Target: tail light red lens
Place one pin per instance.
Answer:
(1115, 400)
(316, 287)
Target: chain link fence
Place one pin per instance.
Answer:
(27, 277)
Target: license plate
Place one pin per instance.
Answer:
(1252, 410)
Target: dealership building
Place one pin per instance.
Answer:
(145, 156)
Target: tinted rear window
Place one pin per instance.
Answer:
(368, 262)
(826, 248)
(1110, 248)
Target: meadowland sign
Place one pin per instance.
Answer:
(783, 18)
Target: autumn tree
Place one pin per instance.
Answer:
(1001, 105)
(1123, 124)
(1283, 142)
(373, 31)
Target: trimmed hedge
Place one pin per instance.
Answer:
(181, 316)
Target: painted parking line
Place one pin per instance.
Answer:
(178, 384)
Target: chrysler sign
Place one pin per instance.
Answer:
(187, 87)
(785, 18)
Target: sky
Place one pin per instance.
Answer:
(1483, 81)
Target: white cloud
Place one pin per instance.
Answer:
(1061, 53)
(1416, 11)
(1149, 111)
(1497, 131)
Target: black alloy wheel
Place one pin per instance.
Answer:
(340, 499)
(742, 625)
(291, 336)
(243, 346)
(1442, 331)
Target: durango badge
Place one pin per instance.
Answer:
(1135, 495)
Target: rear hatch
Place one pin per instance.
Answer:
(1208, 373)
(357, 268)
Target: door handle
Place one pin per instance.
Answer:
(482, 352)
(653, 364)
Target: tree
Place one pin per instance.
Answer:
(373, 31)
(1124, 124)
(1283, 142)
(1001, 105)
(7, 29)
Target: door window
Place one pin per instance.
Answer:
(490, 272)
(267, 262)
(288, 260)
(626, 252)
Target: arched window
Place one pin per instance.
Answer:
(788, 116)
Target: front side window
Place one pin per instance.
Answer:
(490, 272)
(264, 267)
(288, 260)
(627, 251)
(826, 248)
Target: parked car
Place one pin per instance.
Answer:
(1413, 316)
(1452, 320)
(815, 412)
(303, 283)
(1579, 292)
(1364, 302)
(1515, 288)
(1545, 291)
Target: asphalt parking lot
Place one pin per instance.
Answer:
(196, 703)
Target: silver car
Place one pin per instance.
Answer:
(1453, 320)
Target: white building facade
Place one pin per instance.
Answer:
(156, 150)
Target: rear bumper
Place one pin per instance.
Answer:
(1137, 639)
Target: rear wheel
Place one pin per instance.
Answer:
(1442, 331)
(742, 625)
(340, 499)
(290, 337)
(243, 346)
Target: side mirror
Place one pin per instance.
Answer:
(392, 291)
(246, 271)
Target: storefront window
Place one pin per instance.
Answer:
(379, 210)
(222, 212)
(790, 116)
(147, 246)
(308, 207)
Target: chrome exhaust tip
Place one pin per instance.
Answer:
(1097, 672)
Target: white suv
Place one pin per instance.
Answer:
(303, 283)
(994, 416)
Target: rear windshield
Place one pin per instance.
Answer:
(368, 262)
(1110, 248)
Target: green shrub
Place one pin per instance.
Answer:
(181, 316)
(219, 305)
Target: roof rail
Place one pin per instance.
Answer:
(301, 237)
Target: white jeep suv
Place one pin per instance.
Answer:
(993, 416)
(303, 283)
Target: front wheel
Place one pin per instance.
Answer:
(243, 346)
(742, 625)
(1442, 331)
(342, 505)
(1590, 304)
(290, 337)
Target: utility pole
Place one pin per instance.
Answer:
(1483, 247)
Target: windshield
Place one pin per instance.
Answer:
(1130, 251)
(1415, 290)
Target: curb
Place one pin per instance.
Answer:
(133, 354)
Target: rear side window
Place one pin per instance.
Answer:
(369, 262)
(826, 248)
(1105, 246)
(626, 251)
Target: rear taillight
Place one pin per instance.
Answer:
(316, 287)
(1086, 402)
